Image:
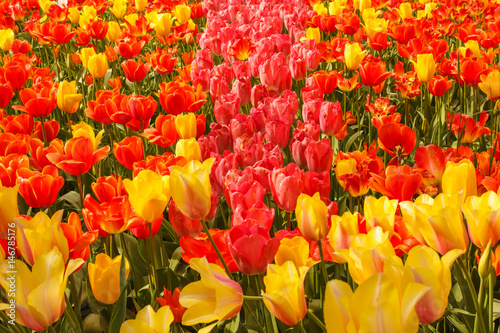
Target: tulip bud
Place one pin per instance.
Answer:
(311, 215)
(98, 65)
(6, 39)
(186, 125)
(182, 13)
(114, 31)
(485, 266)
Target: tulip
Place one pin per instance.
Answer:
(8, 208)
(286, 186)
(437, 223)
(376, 306)
(39, 103)
(140, 5)
(380, 213)
(148, 320)
(39, 300)
(396, 139)
(251, 248)
(39, 189)
(191, 189)
(373, 73)
(149, 194)
(182, 225)
(311, 215)
(78, 241)
(460, 177)
(114, 31)
(258, 214)
(368, 254)
(424, 266)
(284, 295)
(6, 39)
(296, 250)
(37, 236)
(331, 118)
(163, 25)
(104, 277)
(128, 151)
(119, 8)
(353, 55)
(425, 66)
(98, 65)
(483, 219)
(186, 125)
(172, 301)
(74, 15)
(490, 84)
(188, 148)
(6, 94)
(135, 71)
(214, 297)
(342, 232)
(439, 85)
(466, 128)
(85, 55)
(67, 97)
(182, 13)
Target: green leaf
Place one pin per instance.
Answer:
(459, 312)
(233, 325)
(118, 315)
(351, 140)
(457, 324)
(72, 198)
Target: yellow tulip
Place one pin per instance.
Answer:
(6, 39)
(85, 55)
(85, 130)
(39, 235)
(437, 223)
(140, 5)
(312, 218)
(8, 209)
(485, 265)
(370, 14)
(191, 188)
(87, 14)
(377, 306)
(119, 9)
(182, 13)
(425, 66)
(344, 229)
(320, 9)
(459, 177)
(336, 7)
(296, 250)
(98, 65)
(163, 24)
(284, 295)
(405, 11)
(188, 148)
(312, 33)
(67, 97)
(74, 15)
(148, 320)
(364, 5)
(380, 213)
(376, 25)
(353, 56)
(114, 31)
(214, 297)
(39, 296)
(186, 125)
(149, 194)
(368, 254)
(424, 266)
(104, 277)
(483, 218)
(152, 17)
(45, 5)
(490, 84)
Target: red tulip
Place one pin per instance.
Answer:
(251, 248)
(164, 133)
(6, 94)
(128, 151)
(373, 72)
(172, 301)
(129, 47)
(37, 103)
(319, 155)
(182, 225)
(107, 187)
(78, 241)
(259, 214)
(286, 186)
(439, 85)
(141, 227)
(465, 128)
(51, 129)
(135, 71)
(396, 139)
(400, 182)
(9, 166)
(431, 158)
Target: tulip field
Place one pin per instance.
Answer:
(252, 166)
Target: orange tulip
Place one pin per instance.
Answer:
(128, 151)
(39, 189)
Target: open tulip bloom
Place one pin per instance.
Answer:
(249, 166)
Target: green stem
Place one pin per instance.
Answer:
(323, 265)
(316, 320)
(80, 188)
(425, 328)
(153, 263)
(252, 298)
(479, 323)
(491, 286)
(42, 121)
(221, 258)
(301, 327)
(76, 298)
